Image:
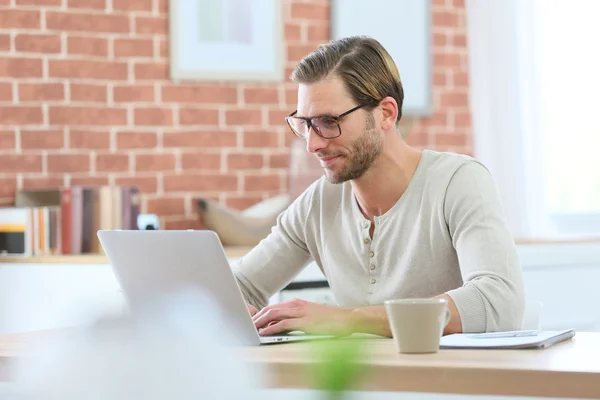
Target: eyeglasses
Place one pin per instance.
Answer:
(326, 126)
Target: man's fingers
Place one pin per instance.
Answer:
(266, 309)
(252, 310)
(280, 327)
(276, 314)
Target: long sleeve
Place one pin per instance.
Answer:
(492, 297)
(278, 258)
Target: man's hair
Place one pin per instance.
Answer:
(364, 65)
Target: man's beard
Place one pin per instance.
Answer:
(362, 154)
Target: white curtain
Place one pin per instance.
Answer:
(504, 87)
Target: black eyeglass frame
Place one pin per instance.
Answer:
(309, 123)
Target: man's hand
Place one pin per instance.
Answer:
(305, 316)
(252, 310)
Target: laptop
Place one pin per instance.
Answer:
(149, 264)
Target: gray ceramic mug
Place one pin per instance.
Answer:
(417, 324)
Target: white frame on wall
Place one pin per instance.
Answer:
(263, 59)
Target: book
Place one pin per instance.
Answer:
(538, 340)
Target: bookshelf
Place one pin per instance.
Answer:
(231, 252)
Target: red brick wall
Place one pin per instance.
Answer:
(85, 99)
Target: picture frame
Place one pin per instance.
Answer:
(216, 40)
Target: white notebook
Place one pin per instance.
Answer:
(506, 340)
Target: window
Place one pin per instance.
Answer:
(568, 60)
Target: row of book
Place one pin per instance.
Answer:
(66, 220)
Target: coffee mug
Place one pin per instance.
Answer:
(417, 324)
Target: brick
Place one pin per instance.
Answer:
(133, 93)
(295, 52)
(450, 139)
(292, 32)
(265, 95)
(164, 49)
(184, 224)
(319, 33)
(93, 140)
(199, 94)
(291, 99)
(454, 99)
(39, 2)
(80, 22)
(445, 19)
(132, 5)
(8, 187)
(242, 202)
(243, 117)
(8, 140)
(89, 93)
(91, 46)
(91, 4)
(147, 184)
(163, 6)
(279, 161)
(440, 39)
(200, 139)
(244, 161)
(87, 116)
(167, 206)
(38, 43)
(112, 163)
(195, 116)
(460, 79)
(42, 140)
(446, 59)
(41, 91)
(20, 19)
(255, 183)
(277, 117)
(437, 119)
(136, 140)
(153, 71)
(88, 69)
(261, 138)
(459, 40)
(462, 119)
(89, 181)
(201, 161)
(68, 163)
(153, 116)
(19, 115)
(134, 48)
(152, 25)
(4, 42)
(154, 162)
(43, 182)
(15, 163)
(418, 139)
(440, 79)
(200, 183)
(310, 11)
(20, 67)
(6, 92)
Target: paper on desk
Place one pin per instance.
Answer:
(542, 340)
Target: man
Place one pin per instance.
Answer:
(386, 221)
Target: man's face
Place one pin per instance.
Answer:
(351, 154)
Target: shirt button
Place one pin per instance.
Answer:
(366, 223)
(373, 281)
(372, 267)
(371, 254)
(367, 240)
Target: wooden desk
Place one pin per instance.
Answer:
(569, 369)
